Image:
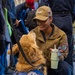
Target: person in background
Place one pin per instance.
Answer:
(18, 15)
(48, 35)
(21, 14)
(10, 5)
(2, 38)
(29, 20)
(36, 4)
(62, 18)
(28, 4)
(43, 2)
(4, 41)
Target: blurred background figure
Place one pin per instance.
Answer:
(29, 20)
(18, 2)
(36, 4)
(63, 18)
(4, 41)
(43, 2)
(21, 14)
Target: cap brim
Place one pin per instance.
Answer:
(42, 18)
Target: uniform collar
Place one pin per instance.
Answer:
(56, 32)
(53, 36)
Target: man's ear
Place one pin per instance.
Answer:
(51, 19)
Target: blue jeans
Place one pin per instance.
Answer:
(64, 22)
(3, 62)
(63, 69)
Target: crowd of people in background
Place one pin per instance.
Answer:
(21, 16)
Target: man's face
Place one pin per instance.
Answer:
(44, 25)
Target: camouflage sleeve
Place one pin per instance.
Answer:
(64, 46)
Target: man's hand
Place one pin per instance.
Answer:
(59, 54)
(17, 22)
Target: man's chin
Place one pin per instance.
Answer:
(42, 29)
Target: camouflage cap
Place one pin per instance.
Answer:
(43, 13)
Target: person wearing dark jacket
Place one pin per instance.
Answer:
(20, 19)
(10, 5)
(62, 18)
(28, 4)
(21, 14)
(4, 41)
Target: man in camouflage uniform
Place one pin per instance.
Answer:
(48, 35)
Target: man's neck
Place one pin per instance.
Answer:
(48, 31)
